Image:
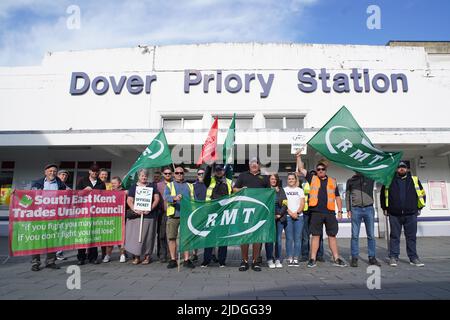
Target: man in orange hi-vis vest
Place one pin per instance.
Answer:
(323, 201)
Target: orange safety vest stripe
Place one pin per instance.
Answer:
(314, 193)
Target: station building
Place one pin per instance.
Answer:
(105, 106)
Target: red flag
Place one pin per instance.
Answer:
(209, 147)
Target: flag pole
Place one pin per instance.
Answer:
(388, 234)
(140, 228)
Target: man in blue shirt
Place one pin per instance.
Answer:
(49, 182)
(173, 193)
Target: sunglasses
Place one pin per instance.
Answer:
(200, 173)
(321, 169)
(167, 173)
(179, 173)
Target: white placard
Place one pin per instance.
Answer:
(438, 195)
(143, 198)
(298, 142)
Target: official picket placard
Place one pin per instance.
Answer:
(298, 142)
(42, 221)
(143, 198)
(247, 216)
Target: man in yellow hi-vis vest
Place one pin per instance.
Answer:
(173, 193)
(217, 186)
(162, 248)
(402, 202)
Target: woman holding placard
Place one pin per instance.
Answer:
(140, 234)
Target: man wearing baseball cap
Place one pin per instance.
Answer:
(402, 202)
(90, 182)
(49, 182)
(251, 179)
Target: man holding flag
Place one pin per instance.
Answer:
(359, 204)
(251, 179)
(342, 141)
(322, 202)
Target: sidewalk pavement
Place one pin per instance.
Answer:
(116, 280)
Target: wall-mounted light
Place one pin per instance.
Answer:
(422, 162)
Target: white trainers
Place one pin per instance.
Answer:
(278, 264)
(60, 255)
(122, 258)
(271, 264)
(106, 259)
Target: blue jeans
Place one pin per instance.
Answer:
(279, 245)
(358, 215)
(294, 237)
(269, 251)
(305, 238)
(409, 223)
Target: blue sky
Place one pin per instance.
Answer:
(29, 28)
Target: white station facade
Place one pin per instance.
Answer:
(105, 106)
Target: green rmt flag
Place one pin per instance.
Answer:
(228, 149)
(342, 141)
(243, 217)
(157, 154)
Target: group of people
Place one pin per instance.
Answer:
(303, 208)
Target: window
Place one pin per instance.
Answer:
(182, 123)
(242, 122)
(274, 123)
(172, 123)
(192, 123)
(284, 122)
(79, 169)
(294, 123)
(6, 180)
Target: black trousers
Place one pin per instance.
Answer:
(161, 246)
(409, 224)
(51, 258)
(92, 254)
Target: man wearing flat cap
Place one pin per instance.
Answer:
(91, 182)
(402, 202)
(49, 182)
